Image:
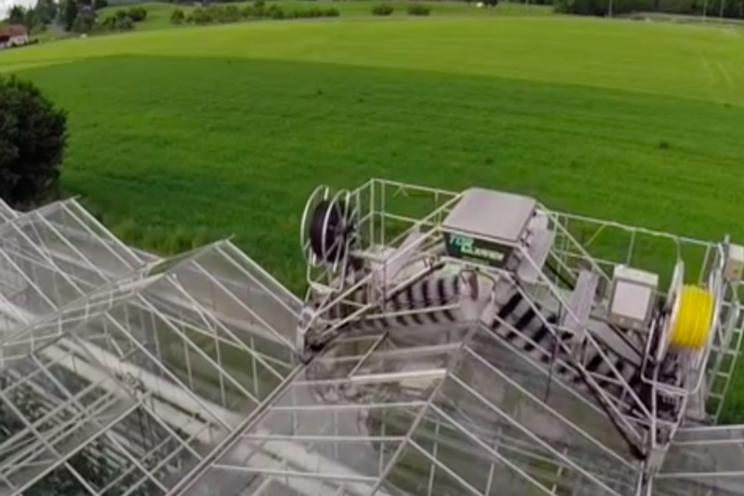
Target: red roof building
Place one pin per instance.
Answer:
(13, 34)
(13, 31)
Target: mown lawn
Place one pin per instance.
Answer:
(238, 148)
(205, 132)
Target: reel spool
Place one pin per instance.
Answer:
(328, 228)
(320, 194)
(690, 316)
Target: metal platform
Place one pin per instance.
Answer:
(123, 373)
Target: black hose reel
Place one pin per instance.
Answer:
(329, 228)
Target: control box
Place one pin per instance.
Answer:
(632, 297)
(734, 264)
(487, 226)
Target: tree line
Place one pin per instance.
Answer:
(221, 14)
(732, 9)
(46, 12)
(43, 13)
(75, 16)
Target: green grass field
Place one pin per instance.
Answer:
(227, 129)
(206, 132)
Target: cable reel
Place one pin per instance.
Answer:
(320, 194)
(694, 315)
(328, 228)
(690, 316)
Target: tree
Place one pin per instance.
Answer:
(137, 14)
(124, 23)
(33, 135)
(177, 17)
(84, 22)
(31, 19)
(17, 15)
(99, 4)
(46, 11)
(69, 14)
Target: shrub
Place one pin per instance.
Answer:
(137, 14)
(121, 21)
(259, 8)
(111, 23)
(201, 16)
(31, 150)
(382, 10)
(232, 13)
(275, 12)
(223, 14)
(177, 17)
(418, 10)
(215, 13)
(125, 24)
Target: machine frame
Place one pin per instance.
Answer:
(394, 215)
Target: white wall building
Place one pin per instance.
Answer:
(13, 35)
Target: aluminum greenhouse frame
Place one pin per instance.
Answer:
(122, 373)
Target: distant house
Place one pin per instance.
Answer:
(13, 35)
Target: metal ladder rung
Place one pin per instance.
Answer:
(537, 252)
(581, 301)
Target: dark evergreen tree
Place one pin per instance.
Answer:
(32, 142)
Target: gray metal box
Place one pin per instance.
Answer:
(632, 297)
(734, 265)
(491, 215)
(487, 226)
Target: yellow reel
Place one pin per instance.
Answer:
(694, 314)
